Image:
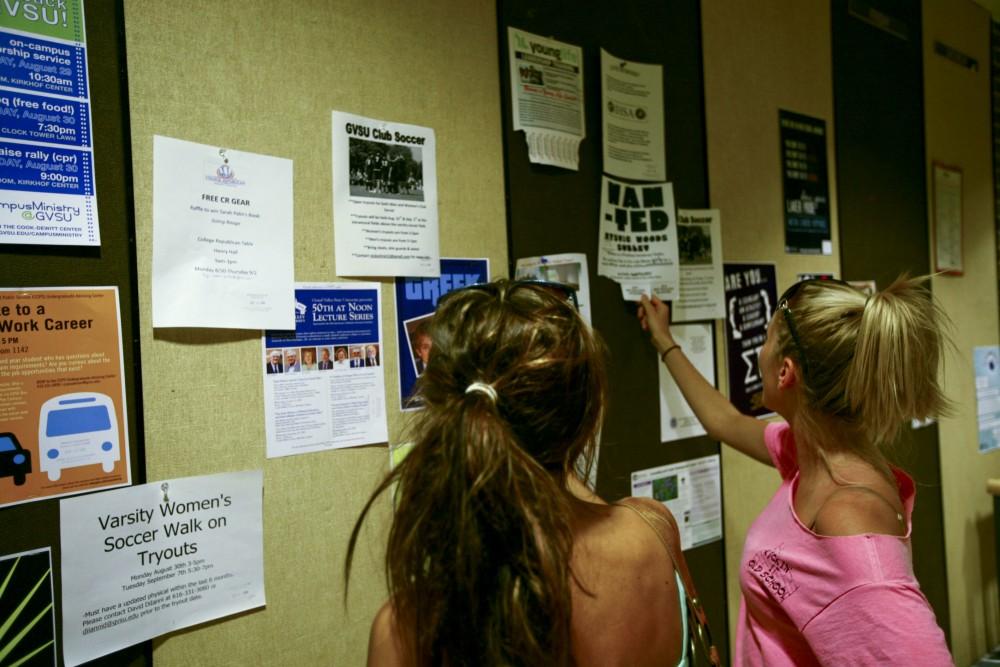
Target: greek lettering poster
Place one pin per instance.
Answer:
(324, 385)
(638, 238)
(751, 299)
(385, 202)
(140, 562)
(27, 609)
(632, 100)
(692, 492)
(546, 82)
(677, 419)
(222, 237)
(47, 191)
(416, 301)
(806, 187)
(699, 243)
(63, 419)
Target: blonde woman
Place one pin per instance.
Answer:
(498, 554)
(826, 573)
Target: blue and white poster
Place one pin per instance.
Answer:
(324, 385)
(416, 300)
(47, 191)
(987, 363)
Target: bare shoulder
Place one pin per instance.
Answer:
(385, 645)
(856, 510)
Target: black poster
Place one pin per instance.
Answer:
(751, 297)
(806, 187)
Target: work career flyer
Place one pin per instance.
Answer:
(63, 419)
(47, 191)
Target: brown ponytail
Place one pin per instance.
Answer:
(479, 550)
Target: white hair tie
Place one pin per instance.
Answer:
(483, 388)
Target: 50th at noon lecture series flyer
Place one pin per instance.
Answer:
(63, 425)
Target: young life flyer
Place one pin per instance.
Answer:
(324, 385)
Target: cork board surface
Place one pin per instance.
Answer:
(263, 77)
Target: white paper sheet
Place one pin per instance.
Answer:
(986, 360)
(632, 102)
(150, 559)
(324, 383)
(568, 268)
(691, 491)
(677, 419)
(385, 202)
(637, 238)
(546, 81)
(699, 245)
(222, 237)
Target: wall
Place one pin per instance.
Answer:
(958, 124)
(263, 77)
(760, 57)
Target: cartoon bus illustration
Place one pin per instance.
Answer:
(75, 430)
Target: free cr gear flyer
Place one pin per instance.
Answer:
(63, 417)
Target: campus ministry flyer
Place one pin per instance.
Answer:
(324, 385)
(692, 492)
(632, 100)
(222, 237)
(140, 562)
(385, 211)
(47, 191)
(416, 301)
(63, 419)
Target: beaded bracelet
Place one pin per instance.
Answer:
(663, 357)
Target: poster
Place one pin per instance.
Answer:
(385, 202)
(691, 491)
(416, 300)
(751, 299)
(222, 237)
(677, 419)
(48, 195)
(546, 90)
(154, 558)
(986, 361)
(806, 187)
(27, 609)
(324, 385)
(948, 219)
(699, 247)
(63, 418)
(567, 268)
(632, 104)
(637, 246)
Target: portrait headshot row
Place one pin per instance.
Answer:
(322, 358)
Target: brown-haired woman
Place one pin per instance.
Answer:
(826, 572)
(498, 554)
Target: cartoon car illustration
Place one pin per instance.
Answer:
(15, 461)
(77, 430)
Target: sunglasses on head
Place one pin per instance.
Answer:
(560, 290)
(790, 294)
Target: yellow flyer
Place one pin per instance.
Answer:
(63, 424)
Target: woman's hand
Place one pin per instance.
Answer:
(654, 317)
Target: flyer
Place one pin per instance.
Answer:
(699, 244)
(416, 301)
(222, 237)
(385, 201)
(751, 299)
(632, 104)
(806, 186)
(324, 385)
(567, 268)
(140, 562)
(691, 491)
(677, 419)
(637, 246)
(986, 361)
(48, 195)
(546, 90)
(63, 418)
(27, 609)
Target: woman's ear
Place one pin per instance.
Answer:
(787, 373)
